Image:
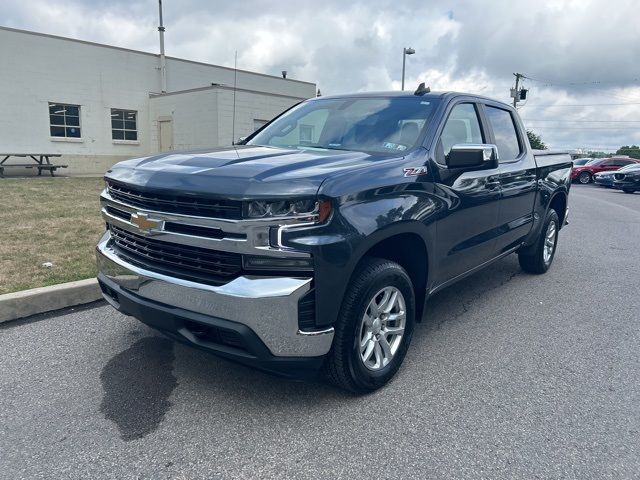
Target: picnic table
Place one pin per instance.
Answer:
(41, 161)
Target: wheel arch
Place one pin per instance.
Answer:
(558, 202)
(409, 250)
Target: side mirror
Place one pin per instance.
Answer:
(240, 141)
(470, 155)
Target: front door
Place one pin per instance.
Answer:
(166, 135)
(467, 228)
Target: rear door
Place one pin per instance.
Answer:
(608, 165)
(466, 229)
(518, 180)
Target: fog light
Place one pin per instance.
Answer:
(274, 263)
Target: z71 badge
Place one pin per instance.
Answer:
(415, 171)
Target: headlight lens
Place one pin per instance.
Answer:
(282, 208)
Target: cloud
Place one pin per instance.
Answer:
(576, 52)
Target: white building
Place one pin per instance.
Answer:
(97, 104)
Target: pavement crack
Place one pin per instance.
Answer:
(137, 384)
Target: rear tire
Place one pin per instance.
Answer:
(628, 190)
(371, 336)
(584, 178)
(538, 258)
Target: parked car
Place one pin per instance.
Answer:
(628, 180)
(584, 173)
(316, 242)
(605, 179)
(581, 161)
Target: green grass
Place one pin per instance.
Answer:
(48, 220)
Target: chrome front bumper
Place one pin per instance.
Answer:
(267, 305)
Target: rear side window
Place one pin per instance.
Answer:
(462, 127)
(504, 132)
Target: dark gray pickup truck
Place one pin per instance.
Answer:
(315, 244)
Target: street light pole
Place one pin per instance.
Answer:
(405, 51)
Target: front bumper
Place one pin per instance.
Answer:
(629, 184)
(603, 181)
(264, 309)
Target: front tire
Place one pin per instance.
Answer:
(584, 178)
(374, 327)
(537, 258)
(628, 190)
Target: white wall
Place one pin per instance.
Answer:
(38, 69)
(250, 106)
(203, 117)
(194, 118)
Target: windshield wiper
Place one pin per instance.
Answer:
(326, 147)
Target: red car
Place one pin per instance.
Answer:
(584, 173)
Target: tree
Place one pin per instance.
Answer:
(633, 151)
(536, 141)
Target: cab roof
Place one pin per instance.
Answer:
(443, 95)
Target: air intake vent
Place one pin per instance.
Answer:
(307, 311)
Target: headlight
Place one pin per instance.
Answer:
(317, 211)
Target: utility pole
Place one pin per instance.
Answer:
(163, 60)
(515, 93)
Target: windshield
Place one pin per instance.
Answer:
(595, 161)
(377, 125)
(581, 161)
(633, 166)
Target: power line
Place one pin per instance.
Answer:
(593, 82)
(582, 121)
(583, 104)
(551, 127)
(592, 85)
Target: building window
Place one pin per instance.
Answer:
(64, 120)
(124, 124)
(259, 123)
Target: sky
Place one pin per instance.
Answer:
(581, 57)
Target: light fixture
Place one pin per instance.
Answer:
(405, 51)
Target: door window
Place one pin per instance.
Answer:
(505, 134)
(462, 126)
(622, 163)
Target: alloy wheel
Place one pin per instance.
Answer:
(549, 242)
(382, 328)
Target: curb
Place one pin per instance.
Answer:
(46, 299)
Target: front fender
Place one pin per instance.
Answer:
(360, 223)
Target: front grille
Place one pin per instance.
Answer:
(182, 261)
(181, 204)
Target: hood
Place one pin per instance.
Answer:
(241, 172)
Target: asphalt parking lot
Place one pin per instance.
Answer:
(509, 376)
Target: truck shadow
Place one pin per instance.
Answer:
(137, 383)
(203, 371)
(452, 303)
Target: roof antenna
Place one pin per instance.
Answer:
(421, 90)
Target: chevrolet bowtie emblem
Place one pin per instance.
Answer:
(144, 223)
